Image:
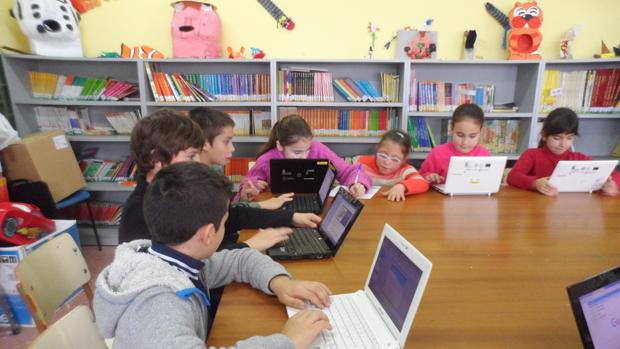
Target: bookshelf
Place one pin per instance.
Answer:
(520, 82)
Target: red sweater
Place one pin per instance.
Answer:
(406, 175)
(438, 160)
(536, 163)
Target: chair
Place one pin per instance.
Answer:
(76, 330)
(76, 198)
(50, 275)
(37, 193)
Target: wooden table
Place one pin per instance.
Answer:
(501, 265)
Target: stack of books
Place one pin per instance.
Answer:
(421, 134)
(346, 122)
(498, 136)
(77, 121)
(584, 91)
(238, 168)
(390, 87)
(123, 121)
(439, 96)
(305, 84)
(70, 87)
(104, 213)
(358, 90)
(96, 170)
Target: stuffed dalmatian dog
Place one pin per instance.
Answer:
(52, 26)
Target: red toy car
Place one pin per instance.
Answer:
(22, 224)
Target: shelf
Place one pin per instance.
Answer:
(108, 234)
(208, 104)
(543, 115)
(59, 102)
(107, 186)
(348, 139)
(250, 139)
(340, 104)
(98, 138)
(486, 115)
(423, 155)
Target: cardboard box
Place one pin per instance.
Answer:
(48, 157)
(10, 257)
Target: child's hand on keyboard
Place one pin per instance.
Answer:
(266, 238)
(303, 327)
(276, 202)
(295, 293)
(306, 220)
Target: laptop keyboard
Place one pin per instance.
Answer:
(305, 240)
(303, 203)
(351, 330)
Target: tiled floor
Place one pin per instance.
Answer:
(96, 261)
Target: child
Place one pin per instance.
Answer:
(467, 122)
(291, 138)
(217, 127)
(390, 167)
(534, 167)
(167, 137)
(154, 293)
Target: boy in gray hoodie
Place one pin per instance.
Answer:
(155, 293)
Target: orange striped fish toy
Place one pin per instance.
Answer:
(140, 52)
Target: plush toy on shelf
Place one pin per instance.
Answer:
(522, 27)
(257, 53)
(140, 52)
(51, 26)
(196, 30)
(236, 55)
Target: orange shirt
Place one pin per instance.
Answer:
(406, 175)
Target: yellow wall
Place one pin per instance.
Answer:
(337, 28)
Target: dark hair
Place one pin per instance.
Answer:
(288, 131)
(211, 121)
(182, 198)
(559, 120)
(161, 135)
(468, 111)
(399, 137)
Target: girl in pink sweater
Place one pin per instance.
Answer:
(534, 167)
(291, 138)
(467, 121)
(390, 167)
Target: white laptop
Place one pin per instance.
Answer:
(380, 316)
(581, 176)
(470, 175)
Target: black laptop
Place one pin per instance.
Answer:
(596, 306)
(297, 175)
(313, 202)
(324, 242)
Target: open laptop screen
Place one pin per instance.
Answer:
(339, 216)
(394, 282)
(601, 309)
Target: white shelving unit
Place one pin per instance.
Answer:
(515, 81)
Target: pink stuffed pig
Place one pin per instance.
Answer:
(196, 30)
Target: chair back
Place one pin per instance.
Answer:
(49, 275)
(76, 330)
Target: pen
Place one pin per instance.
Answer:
(357, 175)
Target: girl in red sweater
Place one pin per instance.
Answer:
(534, 167)
(389, 167)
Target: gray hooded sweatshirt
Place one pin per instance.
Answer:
(144, 302)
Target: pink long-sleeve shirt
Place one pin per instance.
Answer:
(438, 159)
(345, 173)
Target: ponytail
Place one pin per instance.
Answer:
(287, 131)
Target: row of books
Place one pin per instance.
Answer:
(346, 122)
(71, 87)
(305, 85)
(357, 90)
(440, 96)
(421, 134)
(585, 91)
(251, 122)
(104, 213)
(237, 168)
(498, 136)
(96, 170)
(77, 121)
(390, 87)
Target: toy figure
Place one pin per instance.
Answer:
(22, 224)
(196, 30)
(236, 55)
(140, 52)
(372, 30)
(523, 25)
(605, 53)
(257, 53)
(525, 37)
(566, 44)
(283, 20)
(51, 26)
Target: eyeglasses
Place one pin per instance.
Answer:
(393, 159)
